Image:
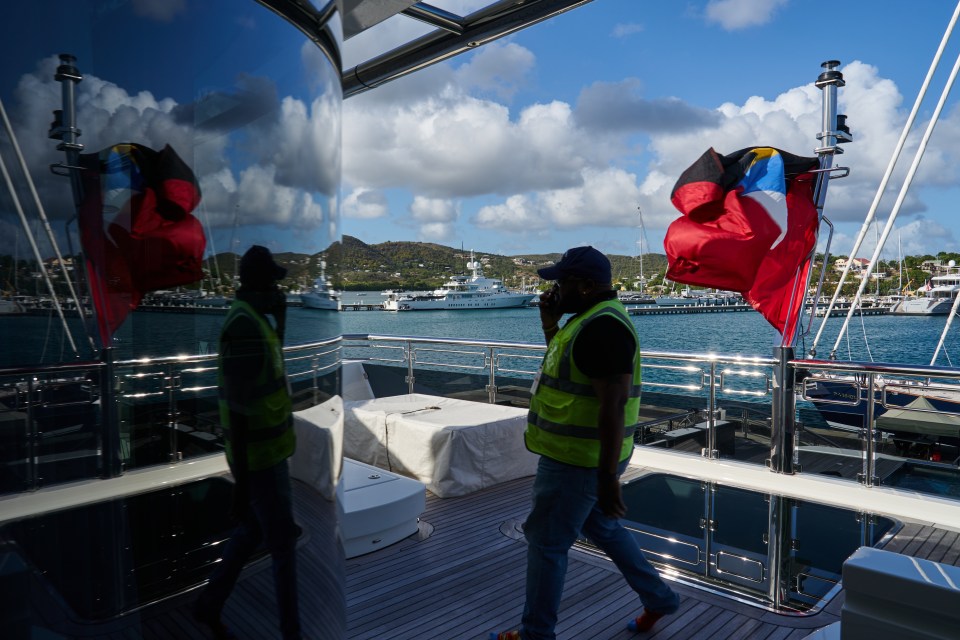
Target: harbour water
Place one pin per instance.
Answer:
(32, 339)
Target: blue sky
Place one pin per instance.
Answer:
(551, 138)
(556, 135)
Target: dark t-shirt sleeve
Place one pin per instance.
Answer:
(604, 347)
(243, 351)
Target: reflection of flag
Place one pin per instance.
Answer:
(749, 225)
(136, 227)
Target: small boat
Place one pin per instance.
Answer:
(686, 297)
(10, 307)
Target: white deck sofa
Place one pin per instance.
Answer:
(377, 508)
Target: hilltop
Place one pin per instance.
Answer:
(425, 265)
(354, 265)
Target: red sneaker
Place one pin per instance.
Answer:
(645, 621)
(505, 635)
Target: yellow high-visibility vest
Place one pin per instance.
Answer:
(564, 410)
(270, 436)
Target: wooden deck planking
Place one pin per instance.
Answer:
(467, 579)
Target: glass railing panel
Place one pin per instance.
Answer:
(313, 372)
(885, 425)
(692, 402)
(50, 427)
(707, 405)
(778, 553)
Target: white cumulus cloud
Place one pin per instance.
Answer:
(365, 204)
(741, 14)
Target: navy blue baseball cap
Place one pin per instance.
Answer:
(579, 262)
(257, 264)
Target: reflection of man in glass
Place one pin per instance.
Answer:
(255, 411)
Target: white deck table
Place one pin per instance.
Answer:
(453, 446)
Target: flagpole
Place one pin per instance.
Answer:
(834, 132)
(65, 130)
(901, 197)
(783, 454)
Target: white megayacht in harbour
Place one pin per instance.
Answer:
(460, 292)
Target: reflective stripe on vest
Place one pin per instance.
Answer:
(565, 411)
(270, 436)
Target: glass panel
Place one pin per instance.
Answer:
(234, 118)
(667, 503)
(741, 519)
(206, 127)
(157, 544)
(49, 428)
(726, 547)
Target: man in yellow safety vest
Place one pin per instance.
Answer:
(257, 420)
(583, 413)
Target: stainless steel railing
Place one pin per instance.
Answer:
(167, 407)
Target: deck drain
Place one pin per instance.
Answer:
(513, 529)
(424, 531)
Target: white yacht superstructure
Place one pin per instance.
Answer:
(460, 293)
(321, 295)
(938, 296)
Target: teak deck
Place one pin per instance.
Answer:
(467, 579)
(462, 577)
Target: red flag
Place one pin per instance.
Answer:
(779, 290)
(749, 225)
(136, 228)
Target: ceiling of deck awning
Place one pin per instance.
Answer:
(451, 34)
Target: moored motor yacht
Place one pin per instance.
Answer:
(460, 293)
(937, 296)
(321, 295)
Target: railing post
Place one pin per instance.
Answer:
(410, 378)
(710, 451)
(869, 476)
(783, 422)
(492, 381)
(109, 421)
(173, 381)
(33, 472)
(778, 551)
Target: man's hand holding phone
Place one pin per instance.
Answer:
(550, 312)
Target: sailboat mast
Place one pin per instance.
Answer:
(900, 260)
(643, 282)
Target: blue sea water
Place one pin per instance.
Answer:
(35, 339)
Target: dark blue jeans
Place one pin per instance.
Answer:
(270, 520)
(564, 505)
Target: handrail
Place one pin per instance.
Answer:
(179, 378)
(882, 368)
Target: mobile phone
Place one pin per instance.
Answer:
(552, 298)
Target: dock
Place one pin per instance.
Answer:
(861, 311)
(360, 306)
(660, 310)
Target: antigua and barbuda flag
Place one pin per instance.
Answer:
(749, 224)
(136, 228)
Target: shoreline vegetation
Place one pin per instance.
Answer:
(353, 265)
